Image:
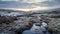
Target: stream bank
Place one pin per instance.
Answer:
(36, 29)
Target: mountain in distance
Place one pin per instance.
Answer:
(56, 10)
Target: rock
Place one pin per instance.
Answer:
(37, 24)
(54, 26)
(53, 22)
(7, 19)
(44, 31)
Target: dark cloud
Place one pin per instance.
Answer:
(51, 3)
(14, 5)
(19, 4)
(47, 3)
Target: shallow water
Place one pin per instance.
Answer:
(37, 29)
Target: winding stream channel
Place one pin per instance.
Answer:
(37, 29)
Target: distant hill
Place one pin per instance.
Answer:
(57, 10)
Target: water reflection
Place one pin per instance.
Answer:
(37, 29)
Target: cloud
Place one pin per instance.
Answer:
(50, 3)
(31, 1)
(47, 3)
(30, 4)
(8, 0)
(15, 5)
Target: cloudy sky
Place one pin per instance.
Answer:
(27, 5)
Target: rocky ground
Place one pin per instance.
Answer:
(16, 25)
(4, 19)
(53, 21)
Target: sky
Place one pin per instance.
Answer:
(29, 5)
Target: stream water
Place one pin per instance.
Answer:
(37, 29)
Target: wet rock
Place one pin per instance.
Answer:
(44, 31)
(38, 24)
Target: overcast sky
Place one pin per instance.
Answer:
(27, 5)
